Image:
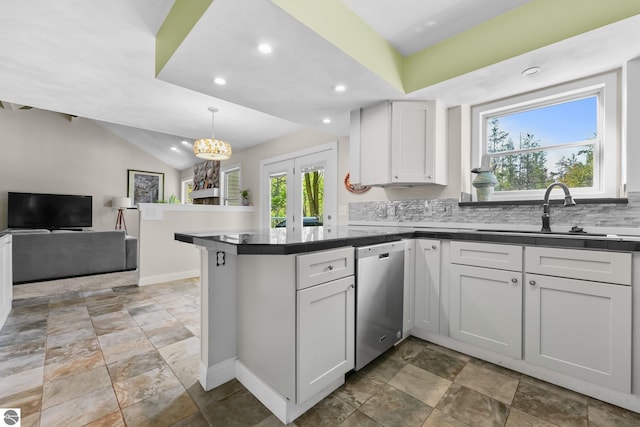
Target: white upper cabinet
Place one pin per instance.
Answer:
(399, 143)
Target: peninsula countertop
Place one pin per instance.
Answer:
(278, 241)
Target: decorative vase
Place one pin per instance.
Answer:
(484, 183)
(245, 201)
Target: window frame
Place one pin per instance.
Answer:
(183, 191)
(607, 172)
(224, 170)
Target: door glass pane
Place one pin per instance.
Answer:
(312, 196)
(278, 199)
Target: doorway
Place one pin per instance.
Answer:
(300, 189)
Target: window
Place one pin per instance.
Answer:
(231, 182)
(567, 133)
(187, 188)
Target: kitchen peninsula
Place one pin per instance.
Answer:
(277, 308)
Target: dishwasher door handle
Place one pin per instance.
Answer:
(383, 256)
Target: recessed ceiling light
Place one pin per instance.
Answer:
(185, 143)
(326, 121)
(220, 81)
(174, 149)
(265, 48)
(531, 71)
(339, 88)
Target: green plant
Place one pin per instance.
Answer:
(244, 193)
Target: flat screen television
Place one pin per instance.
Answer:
(51, 211)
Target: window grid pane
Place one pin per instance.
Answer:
(563, 151)
(232, 187)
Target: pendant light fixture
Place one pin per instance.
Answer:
(212, 148)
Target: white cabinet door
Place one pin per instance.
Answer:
(417, 152)
(486, 308)
(325, 336)
(409, 287)
(579, 328)
(427, 285)
(400, 143)
(6, 279)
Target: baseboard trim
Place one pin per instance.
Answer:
(284, 409)
(162, 278)
(211, 377)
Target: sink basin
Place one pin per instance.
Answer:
(545, 233)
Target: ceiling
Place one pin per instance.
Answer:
(97, 60)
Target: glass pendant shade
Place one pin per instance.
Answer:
(212, 148)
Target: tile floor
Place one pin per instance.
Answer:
(129, 356)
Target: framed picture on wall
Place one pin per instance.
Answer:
(145, 187)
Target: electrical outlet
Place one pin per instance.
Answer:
(427, 208)
(391, 210)
(446, 211)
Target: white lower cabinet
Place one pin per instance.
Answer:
(408, 315)
(578, 327)
(486, 308)
(325, 335)
(6, 279)
(427, 285)
(486, 303)
(296, 320)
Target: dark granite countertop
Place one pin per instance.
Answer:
(279, 242)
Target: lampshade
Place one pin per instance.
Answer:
(121, 202)
(212, 148)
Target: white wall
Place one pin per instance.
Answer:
(633, 124)
(251, 157)
(46, 152)
(162, 258)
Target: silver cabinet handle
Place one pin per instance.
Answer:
(434, 247)
(330, 267)
(514, 280)
(532, 282)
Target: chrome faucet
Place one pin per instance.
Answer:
(546, 214)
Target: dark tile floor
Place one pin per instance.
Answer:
(129, 356)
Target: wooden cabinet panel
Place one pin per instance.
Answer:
(597, 266)
(489, 255)
(427, 285)
(400, 143)
(579, 328)
(325, 336)
(409, 287)
(486, 308)
(319, 267)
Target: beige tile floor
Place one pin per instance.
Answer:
(129, 356)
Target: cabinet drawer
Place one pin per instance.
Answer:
(489, 255)
(597, 266)
(321, 267)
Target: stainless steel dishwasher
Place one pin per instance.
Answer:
(379, 298)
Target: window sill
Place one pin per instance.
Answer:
(494, 203)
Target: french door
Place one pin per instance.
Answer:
(299, 190)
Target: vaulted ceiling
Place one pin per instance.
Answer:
(102, 60)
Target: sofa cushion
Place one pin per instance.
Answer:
(44, 256)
